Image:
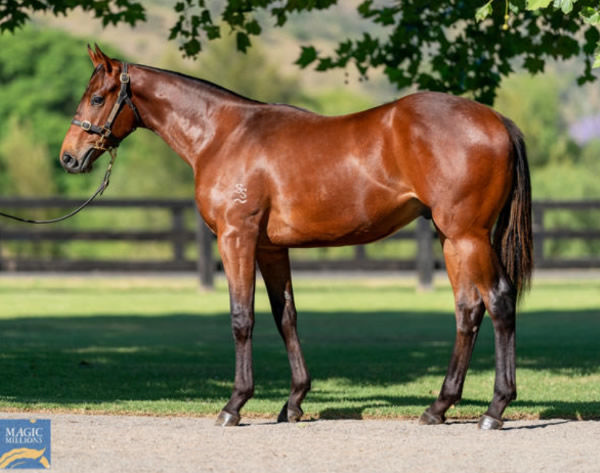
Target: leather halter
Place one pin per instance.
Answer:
(105, 131)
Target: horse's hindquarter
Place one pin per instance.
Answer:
(463, 158)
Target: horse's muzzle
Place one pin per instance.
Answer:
(75, 166)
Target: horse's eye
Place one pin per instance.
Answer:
(97, 100)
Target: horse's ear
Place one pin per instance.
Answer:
(99, 58)
(92, 55)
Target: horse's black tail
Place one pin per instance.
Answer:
(513, 239)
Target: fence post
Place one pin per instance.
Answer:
(178, 229)
(425, 261)
(360, 255)
(538, 235)
(206, 263)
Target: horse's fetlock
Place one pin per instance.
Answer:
(451, 395)
(506, 391)
(302, 386)
(246, 392)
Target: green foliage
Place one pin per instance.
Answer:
(536, 4)
(26, 171)
(569, 181)
(589, 14)
(43, 75)
(15, 13)
(575, 179)
(451, 46)
(535, 104)
(253, 75)
(25, 164)
(337, 102)
(483, 12)
(146, 166)
(561, 169)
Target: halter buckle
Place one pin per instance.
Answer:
(99, 144)
(86, 125)
(124, 78)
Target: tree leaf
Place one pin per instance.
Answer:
(308, 55)
(597, 58)
(566, 6)
(252, 27)
(242, 41)
(192, 47)
(590, 15)
(537, 4)
(483, 12)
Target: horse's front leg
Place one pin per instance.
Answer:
(237, 246)
(274, 264)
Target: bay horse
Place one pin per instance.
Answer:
(269, 177)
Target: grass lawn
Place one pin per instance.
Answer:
(375, 348)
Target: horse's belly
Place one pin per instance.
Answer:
(340, 223)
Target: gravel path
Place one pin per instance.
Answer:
(96, 443)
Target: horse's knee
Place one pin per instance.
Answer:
(242, 323)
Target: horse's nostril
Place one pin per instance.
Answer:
(69, 160)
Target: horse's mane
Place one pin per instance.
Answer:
(203, 82)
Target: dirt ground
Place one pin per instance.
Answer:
(97, 443)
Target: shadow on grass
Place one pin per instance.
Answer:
(74, 361)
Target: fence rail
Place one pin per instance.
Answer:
(179, 235)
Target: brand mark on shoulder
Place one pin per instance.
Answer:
(241, 194)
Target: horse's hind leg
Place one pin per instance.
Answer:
(477, 276)
(274, 265)
(469, 309)
(501, 304)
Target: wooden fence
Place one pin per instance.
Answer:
(179, 235)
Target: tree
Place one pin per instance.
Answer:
(537, 105)
(26, 168)
(43, 75)
(456, 46)
(265, 82)
(15, 13)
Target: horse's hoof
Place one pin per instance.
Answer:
(489, 423)
(427, 418)
(227, 419)
(290, 414)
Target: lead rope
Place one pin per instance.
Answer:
(99, 191)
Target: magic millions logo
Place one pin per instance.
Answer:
(24, 443)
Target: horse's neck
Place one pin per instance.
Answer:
(187, 114)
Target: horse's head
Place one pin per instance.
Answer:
(102, 120)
